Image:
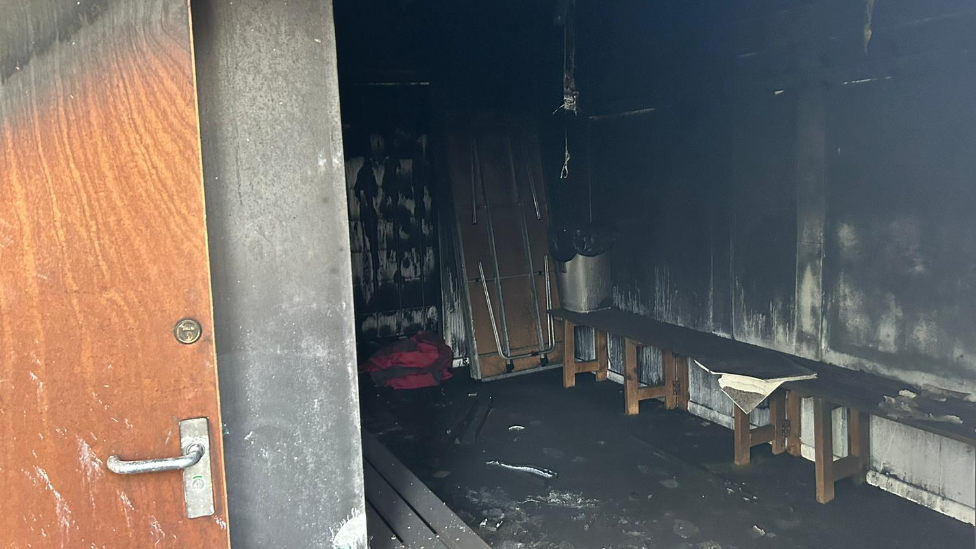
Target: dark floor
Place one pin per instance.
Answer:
(659, 480)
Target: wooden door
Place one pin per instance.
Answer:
(103, 249)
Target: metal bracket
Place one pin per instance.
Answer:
(785, 427)
(676, 388)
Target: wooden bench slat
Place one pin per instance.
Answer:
(762, 435)
(647, 393)
(846, 467)
(452, 532)
(380, 535)
(683, 341)
(396, 512)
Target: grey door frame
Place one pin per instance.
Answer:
(281, 274)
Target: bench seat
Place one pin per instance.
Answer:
(862, 394)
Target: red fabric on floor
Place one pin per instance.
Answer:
(423, 360)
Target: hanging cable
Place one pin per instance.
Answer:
(564, 173)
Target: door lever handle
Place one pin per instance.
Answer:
(191, 456)
(195, 463)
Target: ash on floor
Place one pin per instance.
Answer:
(663, 479)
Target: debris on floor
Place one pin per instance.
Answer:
(470, 425)
(568, 500)
(531, 470)
(624, 483)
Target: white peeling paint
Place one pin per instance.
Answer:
(351, 534)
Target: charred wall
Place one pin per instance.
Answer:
(392, 215)
(798, 175)
(792, 174)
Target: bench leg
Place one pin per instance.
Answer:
(631, 380)
(793, 411)
(859, 437)
(569, 354)
(824, 449)
(681, 375)
(777, 418)
(602, 356)
(668, 366)
(741, 431)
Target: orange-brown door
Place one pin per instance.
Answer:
(103, 250)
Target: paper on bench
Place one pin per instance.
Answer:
(748, 383)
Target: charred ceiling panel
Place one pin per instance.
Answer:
(764, 221)
(900, 264)
(647, 53)
(652, 182)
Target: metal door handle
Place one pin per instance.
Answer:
(195, 464)
(191, 456)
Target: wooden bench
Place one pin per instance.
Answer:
(859, 393)
(401, 512)
(675, 343)
(863, 395)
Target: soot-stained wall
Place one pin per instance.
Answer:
(797, 174)
(392, 217)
